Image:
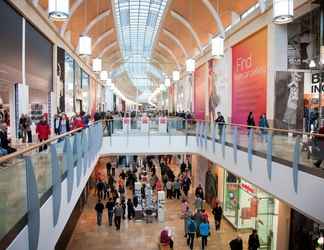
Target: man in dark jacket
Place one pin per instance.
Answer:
(110, 207)
(221, 122)
(236, 244)
(4, 141)
(218, 213)
(99, 209)
(254, 242)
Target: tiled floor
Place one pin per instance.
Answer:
(139, 235)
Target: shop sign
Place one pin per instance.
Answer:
(247, 188)
(317, 80)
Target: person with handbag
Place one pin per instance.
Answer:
(204, 232)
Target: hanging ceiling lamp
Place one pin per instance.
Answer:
(97, 65)
(175, 75)
(190, 65)
(58, 10)
(84, 46)
(85, 40)
(218, 46)
(167, 82)
(104, 75)
(283, 11)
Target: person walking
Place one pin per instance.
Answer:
(108, 168)
(130, 209)
(176, 187)
(199, 192)
(191, 230)
(110, 207)
(43, 131)
(204, 232)
(254, 242)
(99, 209)
(118, 211)
(220, 121)
(198, 203)
(236, 244)
(250, 121)
(186, 182)
(218, 213)
(100, 189)
(169, 189)
(263, 124)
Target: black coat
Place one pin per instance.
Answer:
(254, 242)
(236, 244)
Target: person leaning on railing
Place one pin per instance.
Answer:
(4, 141)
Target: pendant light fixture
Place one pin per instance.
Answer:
(190, 65)
(58, 10)
(104, 75)
(175, 75)
(283, 11)
(218, 46)
(97, 65)
(85, 40)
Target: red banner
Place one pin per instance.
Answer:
(249, 77)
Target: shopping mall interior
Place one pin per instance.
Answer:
(162, 124)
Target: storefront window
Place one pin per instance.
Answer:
(39, 55)
(248, 207)
(11, 57)
(69, 84)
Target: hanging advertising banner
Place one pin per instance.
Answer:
(200, 81)
(289, 100)
(249, 77)
(212, 93)
(304, 40)
(93, 94)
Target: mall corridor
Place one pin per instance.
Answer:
(136, 235)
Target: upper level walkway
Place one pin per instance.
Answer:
(40, 189)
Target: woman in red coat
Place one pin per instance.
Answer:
(43, 131)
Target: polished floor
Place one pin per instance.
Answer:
(140, 235)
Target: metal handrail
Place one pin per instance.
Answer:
(37, 145)
(235, 125)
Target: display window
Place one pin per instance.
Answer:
(69, 84)
(248, 207)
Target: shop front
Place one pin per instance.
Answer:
(247, 207)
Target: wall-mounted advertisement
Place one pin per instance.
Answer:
(213, 98)
(201, 80)
(304, 40)
(249, 77)
(289, 100)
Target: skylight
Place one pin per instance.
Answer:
(137, 23)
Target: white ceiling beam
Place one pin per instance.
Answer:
(218, 20)
(102, 37)
(176, 40)
(168, 50)
(187, 24)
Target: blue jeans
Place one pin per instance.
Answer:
(110, 217)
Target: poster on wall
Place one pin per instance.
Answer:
(303, 40)
(213, 98)
(200, 81)
(289, 100)
(93, 94)
(249, 77)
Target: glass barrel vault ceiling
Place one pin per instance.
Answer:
(137, 24)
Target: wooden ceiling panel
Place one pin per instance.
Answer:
(183, 34)
(172, 46)
(106, 42)
(198, 16)
(238, 6)
(102, 26)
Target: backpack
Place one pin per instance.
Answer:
(191, 226)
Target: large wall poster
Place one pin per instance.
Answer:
(213, 98)
(93, 95)
(249, 77)
(289, 100)
(303, 40)
(200, 81)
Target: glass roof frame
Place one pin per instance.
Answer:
(138, 22)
